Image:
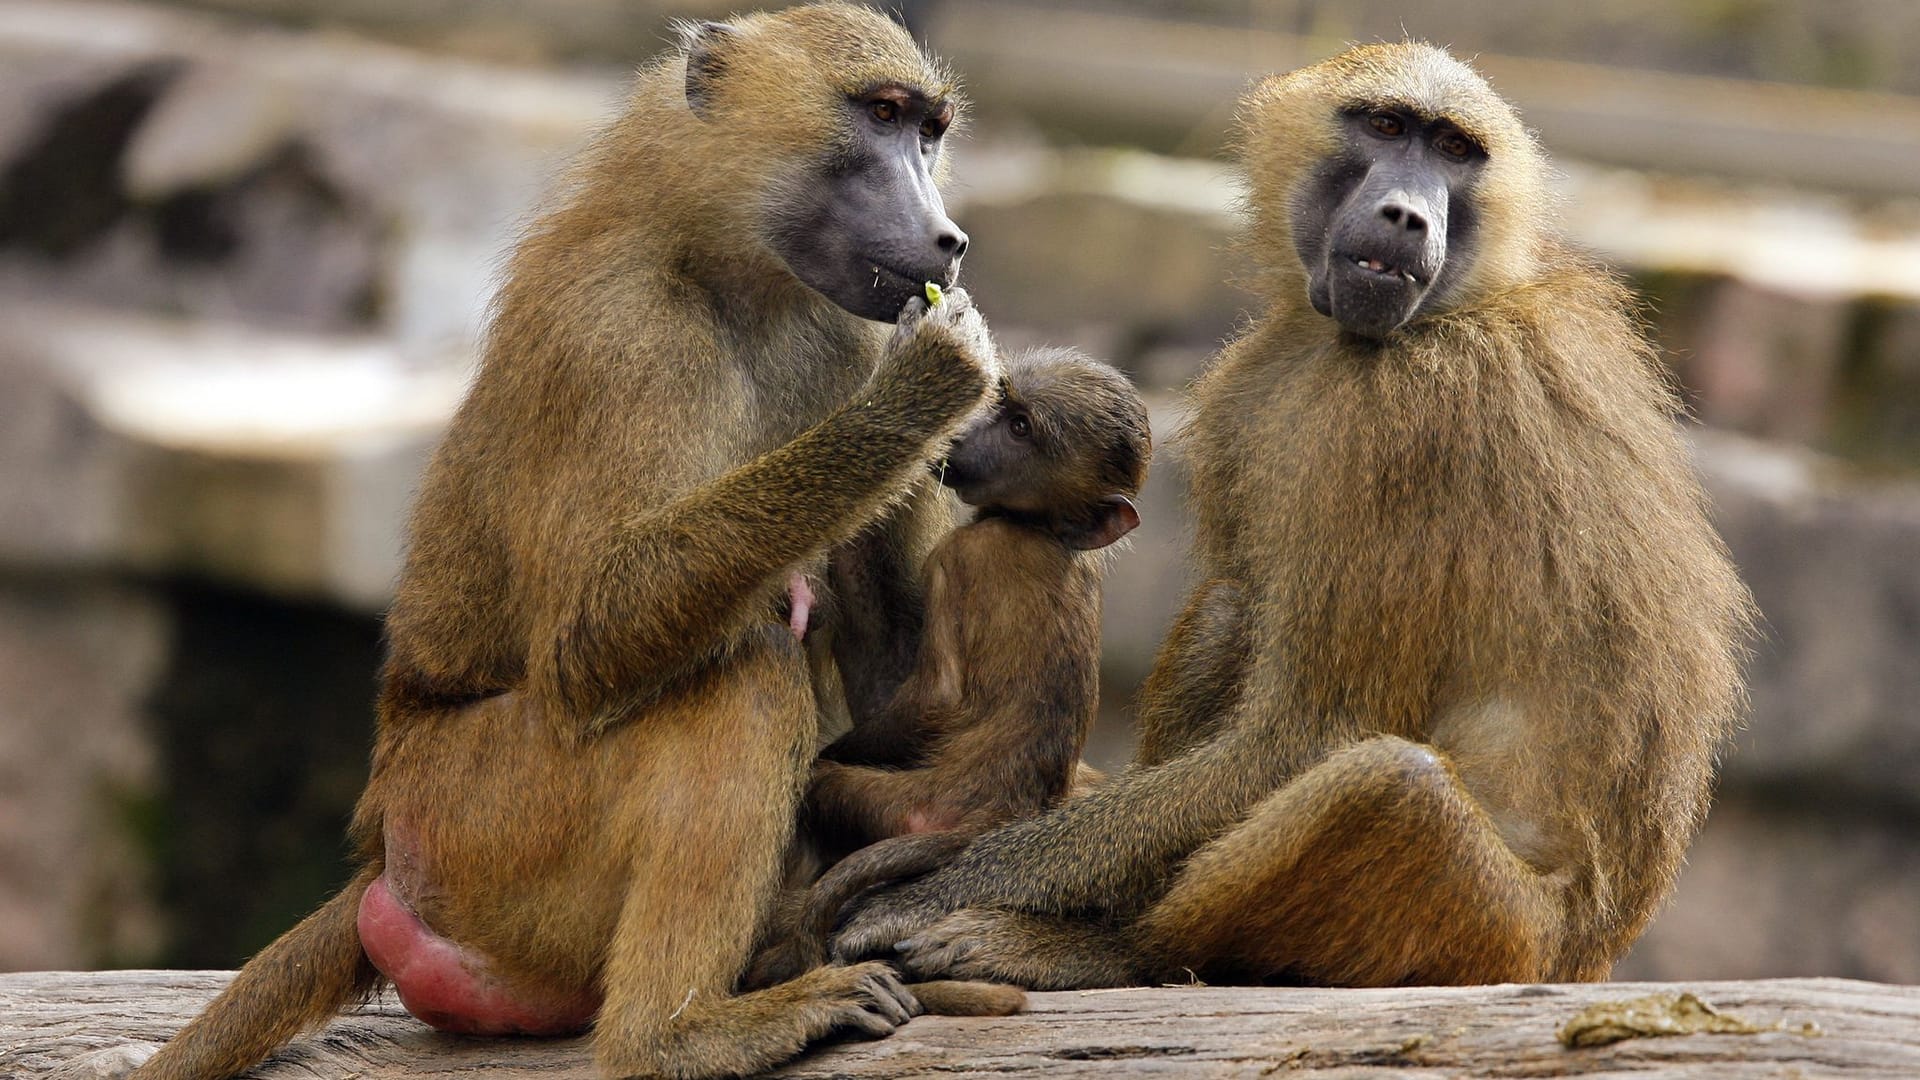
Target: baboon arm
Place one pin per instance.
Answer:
(1122, 841)
(674, 584)
(898, 732)
(879, 613)
(1196, 676)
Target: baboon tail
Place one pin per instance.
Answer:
(302, 979)
(949, 998)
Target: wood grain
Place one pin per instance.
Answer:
(1809, 1028)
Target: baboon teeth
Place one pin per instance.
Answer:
(1374, 265)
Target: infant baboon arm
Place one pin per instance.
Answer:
(899, 731)
(946, 997)
(879, 614)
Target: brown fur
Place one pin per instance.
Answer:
(1006, 682)
(594, 726)
(1447, 705)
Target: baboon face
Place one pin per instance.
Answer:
(869, 230)
(1066, 446)
(1386, 224)
(842, 121)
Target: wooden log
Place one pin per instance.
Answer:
(1777, 1028)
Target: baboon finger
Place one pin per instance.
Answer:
(888, 995)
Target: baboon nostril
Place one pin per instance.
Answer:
(1407, 219)
(953, 242)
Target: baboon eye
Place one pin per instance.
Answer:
(1019, 426)
(937, 121)
(1454, 144)
(1387, 124)
(885, 111)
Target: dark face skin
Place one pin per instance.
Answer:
(996, 464)
(870, 230)
(1385, 227)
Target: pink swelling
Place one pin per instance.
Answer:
(448, 986)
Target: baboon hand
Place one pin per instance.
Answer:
(886, 918)
(874, 1001)
(952, 331)
(964, 945)
(1036, 952)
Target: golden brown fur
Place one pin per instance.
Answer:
(991, 721)
(1446, 706)
(595, 725)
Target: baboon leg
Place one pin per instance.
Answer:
(707, 867)
(1374, 868)
(1196, 675)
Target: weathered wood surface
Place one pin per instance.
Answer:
(1808, 1028)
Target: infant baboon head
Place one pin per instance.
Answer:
(1064, 450)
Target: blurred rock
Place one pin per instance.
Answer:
(1836, 42)
(1765, 361)
(1138, 245)
(77, 769)
(1139, 78)
(283, 463)
(189, 165)
(1877, 406)
(1835, 679)
(523, 31)
(1792, 888)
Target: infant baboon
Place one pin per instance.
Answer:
(1005, 686)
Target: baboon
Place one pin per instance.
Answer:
(1445, 705)
(1006, 683)
(597, 713)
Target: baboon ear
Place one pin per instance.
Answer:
(705, 44)
(1115, 518)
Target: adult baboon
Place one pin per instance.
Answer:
(1446, 706)
(594, 724)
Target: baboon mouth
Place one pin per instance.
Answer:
(1384, 269)
(884, 275)
(882, 272)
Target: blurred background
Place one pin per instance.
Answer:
(246, 248)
